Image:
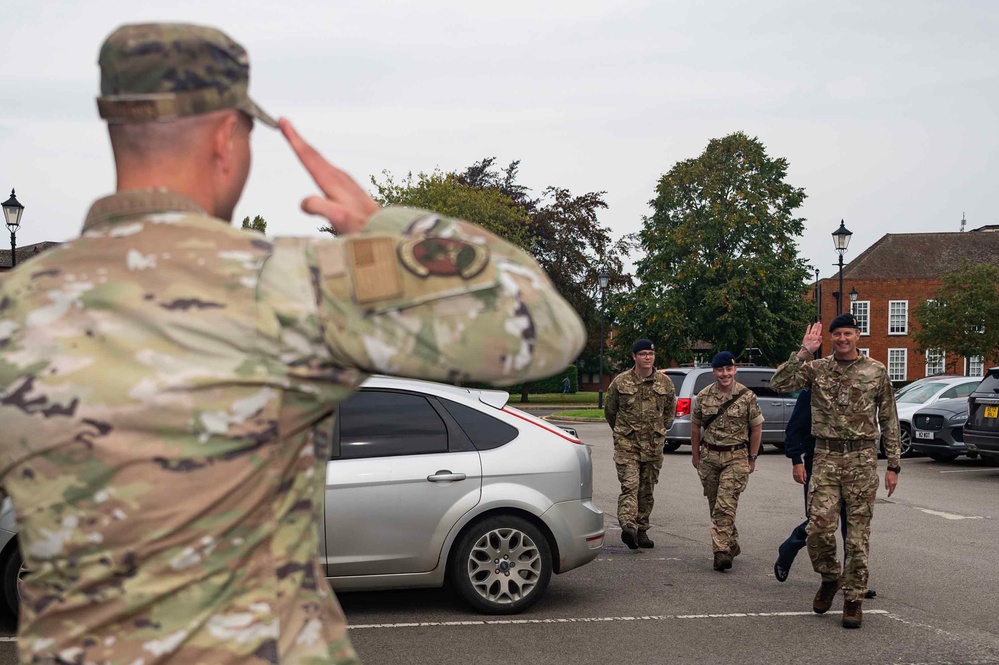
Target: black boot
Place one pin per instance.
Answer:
(644, 541)
(630, 537)
(723, 561)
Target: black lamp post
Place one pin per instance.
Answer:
(12, 215)
(841, 238)
(853, 296)
(603, 278)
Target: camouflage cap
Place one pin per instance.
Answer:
(159, 72)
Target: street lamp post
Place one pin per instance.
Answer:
(853, 296)
(12, 215)
(841, 238)
(603, 278)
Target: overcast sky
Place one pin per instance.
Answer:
(886, 110)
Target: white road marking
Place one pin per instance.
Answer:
(662, 558)
(948, 516)
(663, 617)
(8, 639)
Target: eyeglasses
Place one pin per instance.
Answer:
(646, 354)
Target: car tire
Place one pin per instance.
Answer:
(671, 446)
(501, 565)
(905, 438)
(943, 457)
(12, 571)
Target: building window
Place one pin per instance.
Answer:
(898, 317)
(897, 364)
(935, 359)
(864, 352)
(974, 366)
(862, 310)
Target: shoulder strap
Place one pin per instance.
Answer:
(721, 410)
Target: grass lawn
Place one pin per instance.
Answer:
(580, 413)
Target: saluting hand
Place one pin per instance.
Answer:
(346, 205)
(813, 338)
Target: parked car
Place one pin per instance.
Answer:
(430, 483)
(981, 433)
(938, 430)
(11, 567)
(688, 381)
(925, 394)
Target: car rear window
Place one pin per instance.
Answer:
(677, 379)
(703, 381)
(990, 384)
(484, 431)
(758, 382)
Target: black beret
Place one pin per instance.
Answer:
(643, 345)
(722, 359)
(844, 321)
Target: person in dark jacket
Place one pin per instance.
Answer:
(799, 447)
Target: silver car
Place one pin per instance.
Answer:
(688, 381)
(430, 483)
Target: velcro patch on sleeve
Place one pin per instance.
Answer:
(374, 270)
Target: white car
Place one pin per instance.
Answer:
(909, 400)
(430, 483)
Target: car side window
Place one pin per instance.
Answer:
(375, 423)
(703, 381)
(966, 389)
(484, 431)
(758, 382)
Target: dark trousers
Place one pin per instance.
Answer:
(796, 541)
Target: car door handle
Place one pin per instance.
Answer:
(445, 476)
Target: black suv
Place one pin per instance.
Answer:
(981, 432)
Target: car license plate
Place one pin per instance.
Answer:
(992, 412)
(923, 435)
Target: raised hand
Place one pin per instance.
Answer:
(346, 205)
(813, 338)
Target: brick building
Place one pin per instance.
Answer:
(892, 278)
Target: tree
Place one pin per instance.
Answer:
(963, 316)
(721, 265)
(446, 194)
(258, 224)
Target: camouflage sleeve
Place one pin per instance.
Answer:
(792, 374)
(697, 414)
(754, 413)
(888, 421)
(610, 404)
(420, 295)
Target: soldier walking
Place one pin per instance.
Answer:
(852, 398)
(726, 428)
(640, 406)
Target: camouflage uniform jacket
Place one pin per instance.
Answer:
(640, 410)
(849, 399)
(162, 379)
(732, 427)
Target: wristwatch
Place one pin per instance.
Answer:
(752, 458)
(896, 469)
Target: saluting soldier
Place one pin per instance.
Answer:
(640, 407)
(852, 403)
(162, 376)
(726, 428)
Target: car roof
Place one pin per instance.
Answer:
(494, 398)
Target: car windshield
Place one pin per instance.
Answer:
(921, 394)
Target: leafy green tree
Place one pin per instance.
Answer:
(258, 224)
(963, 316)
(446, 194)
(721, 265)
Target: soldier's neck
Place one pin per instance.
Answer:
(644, 373)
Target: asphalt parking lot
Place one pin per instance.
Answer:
(933, 565)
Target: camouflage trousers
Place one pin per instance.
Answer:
(724, 476)
(850, 477)
(638, 483)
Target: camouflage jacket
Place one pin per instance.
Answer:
(731, 427)
(640, 410)
(849, 399)
(161, 382)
